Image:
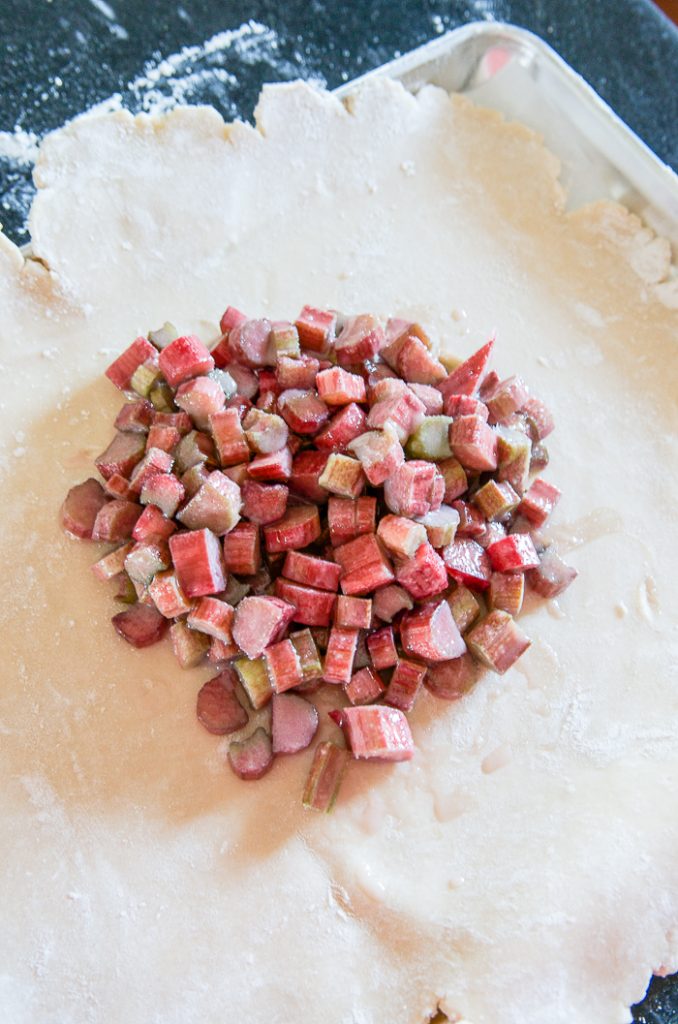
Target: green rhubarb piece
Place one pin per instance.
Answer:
(144, 378)
(225, 382)
(514, 450)
(464, 606)
(324, 778)
(430, 440)
(253, 675)
(144, 561)
(164, 335)
(495, 500)
(162, 397)
(308, 654)
(285, 339)
(189, 645)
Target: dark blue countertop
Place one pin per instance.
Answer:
(60, 57)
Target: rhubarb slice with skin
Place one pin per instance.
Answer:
(141, 625)
(405, 684)
(472, 522)
(342, 476)
(215, 507)
(218, 708)
(283, 666)
(379, 452)
(298, 528)
(316, 327)
(451, 680)
(251, 758)
(423, 575)
(466, 378)
(474, 443)
(311, 571)
(307, 468)
(167, 595)
(253, 675)
(122, 369)
(430, 440)
(361, 338)
(495, 500)
(259, 622)
(431, 398)
(507, 398)
(552, 576)
(353, 612)
(303, 411)
(134, 417)
(115, 521)
(539, 416)
(154, 462)
(365, 687)
(298, 373)
(165, 491)
(145, 560)
(185, 357)
(276, 466)
(390, 601)
(515, 553)
(199, 562)
(189, 646)
(123, 453)
(539, 501)
(506, 592)
(285, 339)
(467, 563)
(430, 633)
(229, 437)
(294, 723)
(348, 519)
(311, 607)
(497, 641)
(455, 479)
(265, 432)
(152, 525)
(112, 564)
(464, 606)
(415, 488)
(251, 344)
(342, 429)
(308, 654)
(324, 779)
(214, 617)
(81, 508)
(441, 525)
(339, 387)
(201, 398)
(400, 536)
(339, 655)
(377, 733)
(264, 503)
(382, 648)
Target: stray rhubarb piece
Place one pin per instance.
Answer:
(405, 412)
(253, 757)
(283, 666)
(189, 646)
(253, 675)
(242, 549)
(260, 622)
(299, 373)
(467, 563)
(125, 590)
(353, 612)
(465, 405)
(507, 398)
(122, 455)
(361, 338)
(276, 466)
(308, 654)
(229, 437)
(377, 733)
(431, 398)
(552, 576)
(430, 440)
(145, 560)
(343, 428)
(307, 469)
(164, 490)
(365, 687)
(382, 648)
(506, 592)
(155, 461)
(166, 438)
(141, 625)
(324, 778)
(184, 358)
(298, 528)
(134, 417)
(451, 680)
(343, 476)
(465, 378)
(474, 443)
(316, 328)
(390, 601)
(405, 684)
(454, 476)
(215, 507)
(441, 525)
(81, 508)
(472, 522)
(312, 571)
(230, 318)
(199, 562)
(497, 641)
(380, 453)
(464, 606)
(415, 488)
(339, 655)
(400, 536)
(152, 525)
(515, 553)
(112, 564)
(285, 339)
(539, 501)
(167, 595)
(214, 617)
(294, 723)
(303, 411)
(115, 521)
(311, 607)
(430, 633)
(218, 707)
(348, 519)
(264, 503)
(339, 387)
(121, 371)
(201, 398)
(514, 457)
(496, 500)
(539, 418)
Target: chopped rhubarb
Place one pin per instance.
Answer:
(414, 489)
(507, 397)
(189, 646)
(218, 707)
(343, 428)
(298, 528)
(259, 622)
(303, 411)
(229, 437)
(472, 522)
(118, 487)
(181, 421)
(166, 438)
(155, 461)
(121, 371)
(81, 508)
(466, 378)
(405, 684)
(404, 412)
(515, 553)
(369, 577)
(242, 549)
(539, 458)
(401, 536)
(489, 382)
(514, 456)
(431, 398)
(539, 417)
(339, 387)
(214, 617)
(312, 571)
(307, 469)
(353, 612)
(294, 723)
(194, 449)
(494, 532)
(390, 601)
(165, 491)
(451, 680)
(388, 387)
(276, 466)
(184, 358)
(361, 338)
(113, 563)
(464, 606)
(430, 633)
(215, 507)
(265, 432)
(497, 641)
(167, 595)
(145, 560)
(253, 757)
(552, 576)
(416, 364)
(430, 440)
(251, 345)
(253, 675)
(309, 657)
(264, 503)
(283, 666)
(365, 687)
(125, 590)
(506, 592)
(382, 648)
(376, 732)
(496, 500)
(316, 328)
(423, 575)
(465, 405)
(134, 417)
(455, 479)
(122, 455)
(115, 521)
(348, 519)
(201, 398)
(285, 339)
(539, 501)
(199, 562)
(467, 563)
(141, 625)
(441, 525)
(311, 607)
(380, 453)
(299, 373)
(324, 778)
(343, 476)
(339, 655)
(220, 652)
(230, 318)
(152, 525)
(474, 443)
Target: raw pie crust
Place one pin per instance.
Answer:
(521, 869)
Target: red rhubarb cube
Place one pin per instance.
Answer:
(296, 373)
(115, 521)
(353, 612)
(166, 438)
(424, 574)
(121, 371)
(283, 666)
(230, 318)
(123, 453)
(430, 633)
(229, 437)
(348, 519)
(342, 428)
(404, 412)
(152, 525)
(214, 617)
(311, 607)
(303, 411)
(112, 564)
(454, 476)
(515, 553)
(379, 452)
(155, 461)
(199, 562)
(264, 503)
(472, 522)
(376, 732)
(201, 398)
(242, 549)
(81, 508)
(165, 491)
(465, 405)
(167, 595)
(184, 358)
(260, 622)
(251, 344)
(276, 466)
(307, 469)
(193, 479)
(316, 328)
(361, 338)
(189, 646)
(298, 528)
(365, 687)
(311, 571)
(415, 488)
(339, 387)
(506, 592)
(118, 487)
(473, 443)
(552, 576)
(145, 560)
(465, 378)
(539, 501)
(216, 506)
(181, 421)
(497, 641)
(539, 418)
(401, 536)
(220, 652)
(285, 338)
(339, 655)
(135, 417)
(416, 364)
(467, 563)
(507, 398)
(405, 684)
(431, 398)
(218, 707)
(382, 648)
(390, 601)
(265, 431)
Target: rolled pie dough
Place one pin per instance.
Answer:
(521, 868)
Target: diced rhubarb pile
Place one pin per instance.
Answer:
(321, 503)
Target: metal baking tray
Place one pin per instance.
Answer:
(515, 72)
